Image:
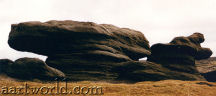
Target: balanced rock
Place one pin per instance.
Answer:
(82, 50)
(32, 68)
(194, 41)
(180, 54)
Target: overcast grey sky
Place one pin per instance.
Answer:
(159, 20)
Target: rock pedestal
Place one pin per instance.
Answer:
(82, 50)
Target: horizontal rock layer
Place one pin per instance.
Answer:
(71, 37)
(135, 71)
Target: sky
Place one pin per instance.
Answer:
(159, 20)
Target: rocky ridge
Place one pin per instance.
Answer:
(90, 51)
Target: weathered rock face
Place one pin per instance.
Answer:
(82, 50)
(180, 54)
(207, 68)
(135, 71)
(71, 37)
(194, 41)
(29, 69)
(206, 65)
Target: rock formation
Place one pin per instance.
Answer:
(207, 68)
(29, 69)
(180, 54)
(194, 41)
(136, 71)
(82, 50)
(90, 51)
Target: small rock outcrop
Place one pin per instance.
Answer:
(207, 68)
(82, 50)
(180, 54)
(29, 69)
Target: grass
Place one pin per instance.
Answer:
(147, 88)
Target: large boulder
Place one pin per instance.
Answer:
(82, 50)
(72, 37)
(29, 69)
(180, 54)
(194, 42)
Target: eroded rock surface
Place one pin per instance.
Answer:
(82, 50)
(79, 38)
(29, 69)
(194, 42)
(180, 54)
(90, 51)
(136, 71)
(207, 68)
